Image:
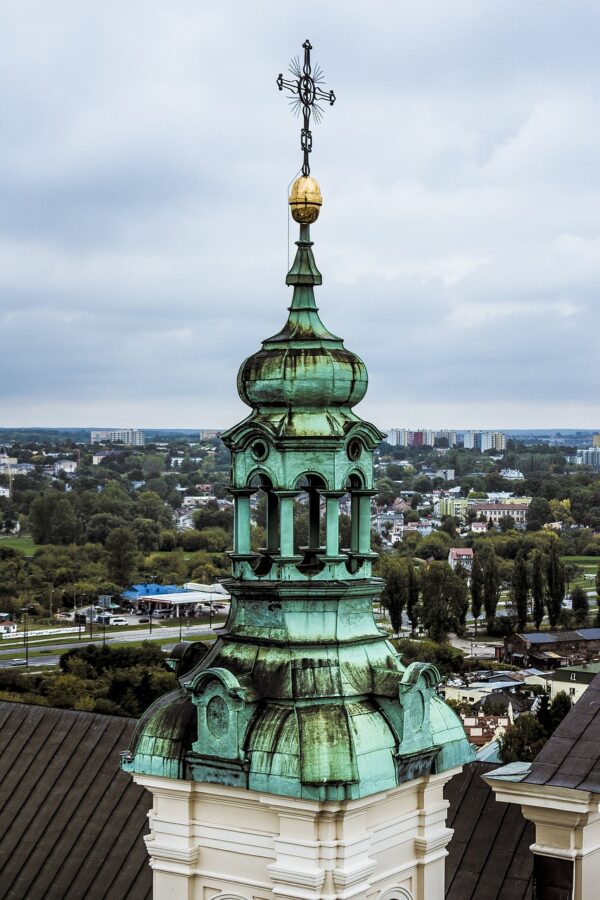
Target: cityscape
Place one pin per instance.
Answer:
(292, 613)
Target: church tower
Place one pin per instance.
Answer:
(300, 759)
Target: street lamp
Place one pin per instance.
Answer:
(25, 610)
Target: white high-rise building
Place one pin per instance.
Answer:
(133, 437)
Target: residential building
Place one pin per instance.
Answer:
(588, 457)
(450, 436)
(131, 437)
(398, 437)
(4, 491)
(573, 680)
(68, 466)
(484, 440)
(453, 506)
(445, 474)
(596, 440)
(482, 728)
(478, 527)
(494, 512)
(512, 474)
(209, 434)
(550, 649)
(461, 556)
(101, 455)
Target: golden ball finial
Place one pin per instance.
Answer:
(305, 200)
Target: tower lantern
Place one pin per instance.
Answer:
(300, 741)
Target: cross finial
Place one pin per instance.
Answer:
(306, 92)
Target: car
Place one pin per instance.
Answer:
(118, 620)
(143, 620)
(17, 662)
(162, 614)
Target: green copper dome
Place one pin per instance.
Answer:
(304, 365)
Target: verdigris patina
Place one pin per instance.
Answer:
(302, 694)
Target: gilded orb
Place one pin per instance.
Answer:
(305, 200)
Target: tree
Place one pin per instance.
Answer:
(520, 589)
(64, 527)
(394, 595)
(543, 714)
(491, 584)
(444, 600)
(561, 511)
(538, 588)
(476, 588)
(412, 595)
(580, 605)
(523, 740)
(121, 547)
(538, 513)
(559, 708)
(555, 584)
(506, 523)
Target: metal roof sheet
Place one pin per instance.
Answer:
(71, 824)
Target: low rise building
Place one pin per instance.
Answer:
(494, 512)
(461, 556)
(573, 680)
(550, 649)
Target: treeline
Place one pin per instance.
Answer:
(438, 599)
(114, 681)
(74, 575)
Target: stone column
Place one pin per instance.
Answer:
(286, 522)
(364, 521)
(241, 519)
(332, 521)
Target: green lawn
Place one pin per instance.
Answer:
(24, 543)
(587, 562)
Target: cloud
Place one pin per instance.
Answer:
(144, 159)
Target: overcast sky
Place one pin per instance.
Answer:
(145, 154)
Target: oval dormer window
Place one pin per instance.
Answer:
(354, 450)
(260, 450)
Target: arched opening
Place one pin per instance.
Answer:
(358, 511)
(266, 516)
(309, 523)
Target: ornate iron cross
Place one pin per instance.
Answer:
(306, 93)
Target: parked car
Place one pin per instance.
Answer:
(162, 614)
(143, 620)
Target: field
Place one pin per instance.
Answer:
(24, 543)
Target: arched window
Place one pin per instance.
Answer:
(309, 523)
(266, 513)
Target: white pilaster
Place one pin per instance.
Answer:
(211, 840)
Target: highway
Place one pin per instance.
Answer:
(159, 632)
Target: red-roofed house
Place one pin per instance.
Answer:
(461, 556)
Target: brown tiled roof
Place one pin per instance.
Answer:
(489, 856)
(71, 823)
(571, 758)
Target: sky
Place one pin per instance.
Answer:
(145, 158)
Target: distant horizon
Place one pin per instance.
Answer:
(193, 429)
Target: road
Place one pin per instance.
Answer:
(159, 632)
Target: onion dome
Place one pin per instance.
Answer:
(304, 365)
